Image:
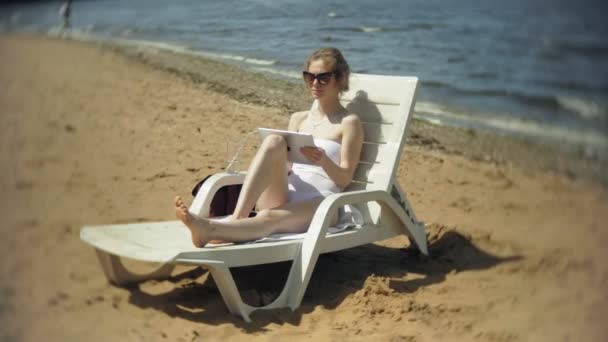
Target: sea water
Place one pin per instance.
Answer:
(530, 68)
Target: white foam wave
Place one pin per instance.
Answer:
(74, 33)
(436, 113)
(86, 35)
(157, 45)
(284, 73)
(171, 47)
(229, 57)
(588, 109)
(368, 29)
(258, 61)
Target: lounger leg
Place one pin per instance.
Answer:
(297, 282)
(118, 275)
(415, 227)
(406, 204)
(225, 283)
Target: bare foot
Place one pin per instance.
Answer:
(196, 224)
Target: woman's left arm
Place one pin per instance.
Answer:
(352, 142)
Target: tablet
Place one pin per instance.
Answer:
(295, 141)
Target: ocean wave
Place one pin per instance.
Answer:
(235, 58)
(244, 59)
(502, 122)
(579, 46)
(283, 73)
(456, 59)
(177, 48)
(370, 29)
(569, 85)
(328, 39)
(585, 108)
(258, 61)
(183, 49)
(224, 30)
(483, 75)
(86, 35)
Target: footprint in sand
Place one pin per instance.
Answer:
(58, 299)
(464, 203)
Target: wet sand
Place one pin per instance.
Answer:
(93, 134)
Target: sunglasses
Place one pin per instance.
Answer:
(323, 77)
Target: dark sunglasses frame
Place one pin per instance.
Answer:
(323, 77)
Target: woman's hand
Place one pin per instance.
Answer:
(315, 154)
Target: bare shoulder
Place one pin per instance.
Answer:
(296, 119)
(298, 116)
(351, 120)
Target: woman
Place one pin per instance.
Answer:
(287, 195)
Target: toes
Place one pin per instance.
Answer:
(179, 203)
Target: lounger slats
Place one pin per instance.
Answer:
(370, 152)
(170, 242)
(375, 166)
(384, 90)
(378, 127)
(372, 112)
(377, 132)
(377, 154)
(150, 241)
(370, 173)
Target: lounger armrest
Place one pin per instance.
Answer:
(330, 205)
(326, 211)
(202, 202)
(312, 244)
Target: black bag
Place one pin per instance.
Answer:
(224, 201)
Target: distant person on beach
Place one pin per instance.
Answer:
(65, 11)
(287, 194)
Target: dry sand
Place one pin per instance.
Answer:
(91, 136)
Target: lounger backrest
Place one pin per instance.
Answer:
(385, 105)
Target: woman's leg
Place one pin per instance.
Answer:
(288, 218)
(266, 180)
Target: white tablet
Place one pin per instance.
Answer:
(295, 141)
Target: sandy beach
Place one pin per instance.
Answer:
(94, 134)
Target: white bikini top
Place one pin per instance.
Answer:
(332, 150)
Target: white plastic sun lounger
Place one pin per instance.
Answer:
(384, 104)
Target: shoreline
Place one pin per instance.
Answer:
(259, 88)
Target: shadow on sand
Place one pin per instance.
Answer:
(337, 275)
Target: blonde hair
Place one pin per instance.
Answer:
(333, 58)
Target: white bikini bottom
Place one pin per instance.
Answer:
(304, 186)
